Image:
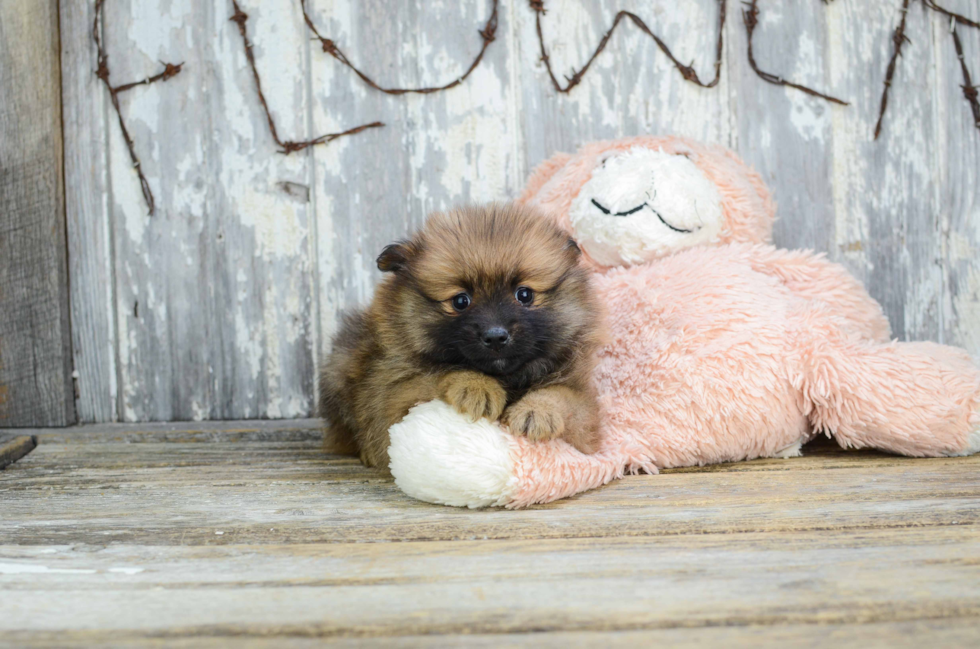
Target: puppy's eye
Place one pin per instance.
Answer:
(524, 295)
(461, 301)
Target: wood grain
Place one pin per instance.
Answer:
(146, 488)
(35, 345)
(884, 190)
(632, 87)
(90, 260)
(944, 633)
(785, 134)
(436, 150)
(498, 587)
(12, 448)
(958, 193)
(221, 308)
(228, 533)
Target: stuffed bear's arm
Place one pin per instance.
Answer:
(440, 456)
(814, 278)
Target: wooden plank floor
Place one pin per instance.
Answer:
(249, 534)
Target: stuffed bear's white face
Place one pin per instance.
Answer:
(643, 204)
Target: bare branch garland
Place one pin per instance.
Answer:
(488, 34)
(963, 20)
(285, 146)
(170, 70)
(898, 40)
(969, 90)
(750, 17)
(687, 71)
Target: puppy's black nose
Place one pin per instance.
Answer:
(496, 337)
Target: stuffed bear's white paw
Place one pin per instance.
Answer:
(793, 450)
(440, 456)
(972, 444)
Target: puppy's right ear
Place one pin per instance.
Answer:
(394, 257)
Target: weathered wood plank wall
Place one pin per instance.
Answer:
(35, 346)
(218, 305)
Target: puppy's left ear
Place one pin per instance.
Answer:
(394, 257)
(571, 245)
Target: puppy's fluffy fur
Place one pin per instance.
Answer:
(486, 308)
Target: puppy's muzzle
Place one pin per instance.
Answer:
(496, 338)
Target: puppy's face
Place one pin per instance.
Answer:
(495, 289)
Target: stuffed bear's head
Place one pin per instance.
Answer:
(638, 199)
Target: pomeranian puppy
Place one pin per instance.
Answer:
(486, 308)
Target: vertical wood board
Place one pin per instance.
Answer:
(90, 262)
(35, 345)
(221, 304)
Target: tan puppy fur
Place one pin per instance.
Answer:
(486, 308)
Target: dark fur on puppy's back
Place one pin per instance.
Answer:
(522, 280)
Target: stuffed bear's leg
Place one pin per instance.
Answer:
(918, 399)
(815, 279)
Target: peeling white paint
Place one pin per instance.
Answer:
(154, 29)
(276, 221)
(966, 307)
(34, 569)
(279, 274)
(126, 570)
(128, 196)
(809, 116)
(249, 345)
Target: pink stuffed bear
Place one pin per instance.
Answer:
(720, 347)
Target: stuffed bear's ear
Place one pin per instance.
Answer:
(394, 257)
(542, 174)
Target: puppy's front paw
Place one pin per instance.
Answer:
(473, 394)
(537, 417)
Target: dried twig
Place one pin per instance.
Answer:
(687, 71)
(286, 146)
(969, 90)
(963, 20)
(488, 33)
(751, 18)
(170, 70)
(898, 40)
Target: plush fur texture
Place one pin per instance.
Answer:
(486, 308)
(731, 350)
(746, 203)
(471, 470)
(641, 204)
